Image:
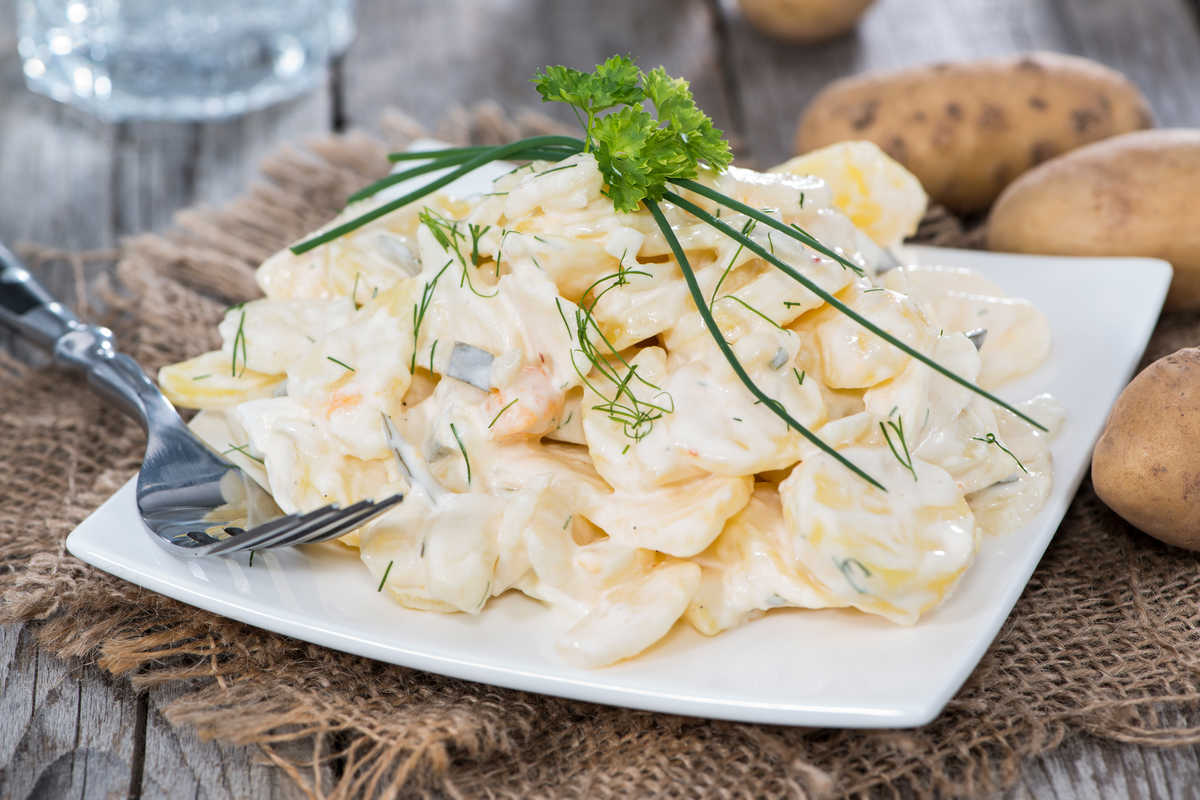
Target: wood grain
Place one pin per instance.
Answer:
(1154, 41)
(68, 730)
(489, 50)
(179, 764)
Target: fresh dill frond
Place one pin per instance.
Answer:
(634, 413)
(419, 310)
(747, 229)
(202, 377)
(897, 428)
(511, 403)
(244, 449)
(799, 376)
(752, 309)
(992, 439)
(537, 175)
(239, 340)
(341, 363)
(476, 232)
(447, 234)
(462, 448)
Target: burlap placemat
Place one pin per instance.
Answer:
(1103, 641)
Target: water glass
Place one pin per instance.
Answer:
(178, 59)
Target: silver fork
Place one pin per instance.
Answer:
(182, 485)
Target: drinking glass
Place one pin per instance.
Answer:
(178, 59)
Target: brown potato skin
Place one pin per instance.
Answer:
(1131, 195)
(803, 20)
(1146, 465)
(968, 129)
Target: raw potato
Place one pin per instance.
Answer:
(1131, 195)
(804, 20)
(1146, 466)
(968, 129)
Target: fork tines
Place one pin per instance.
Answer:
(320, 525)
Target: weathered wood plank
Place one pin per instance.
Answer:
(68, 730)
(179, 764)
(1155, 41)
(162, 167)
(1085, 768)
(426, 57)
(55, 170)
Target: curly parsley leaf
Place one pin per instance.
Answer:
(637, 152)
(635, 156)
(611, 84)
(696, 135)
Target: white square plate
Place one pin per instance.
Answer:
(821, 668)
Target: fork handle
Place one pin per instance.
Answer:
(30, 310)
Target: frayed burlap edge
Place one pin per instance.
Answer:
(1102, 641)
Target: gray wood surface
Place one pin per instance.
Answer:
(66, 180)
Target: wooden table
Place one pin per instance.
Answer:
(69, 730)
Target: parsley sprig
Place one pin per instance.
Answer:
(636, 151)
(645, 158)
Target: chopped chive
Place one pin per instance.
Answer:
(383, 580)
(794, 231)
(513, 149)
(341, 364)
(202, 377)
(446, 152)
(754, 247)
(399, 177)
(251, 563)
(706, 315)
(845, 565)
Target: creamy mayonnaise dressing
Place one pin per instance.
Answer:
(616, 469)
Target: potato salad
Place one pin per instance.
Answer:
(537, 356)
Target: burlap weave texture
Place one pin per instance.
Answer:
(1102, 641)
